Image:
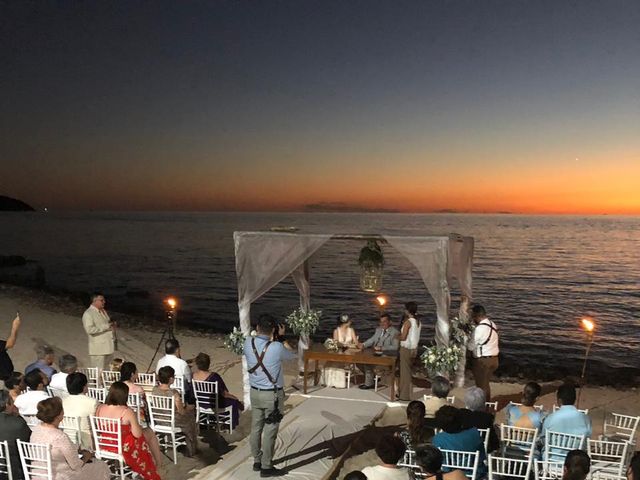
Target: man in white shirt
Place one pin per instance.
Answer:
(172, 359)
(79, 404)
(390, 449)
(68, 364)
(27, 402)
(485, 349)
(100, 329)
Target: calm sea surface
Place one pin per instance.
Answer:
(536, 275)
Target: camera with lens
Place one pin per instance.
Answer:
(275, 416)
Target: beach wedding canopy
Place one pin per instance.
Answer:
(264, 259)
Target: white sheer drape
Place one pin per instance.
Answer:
(301, 278)
(263, 260)
(430, 256)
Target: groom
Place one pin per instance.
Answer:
(385, 340)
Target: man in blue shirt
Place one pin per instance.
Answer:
(46, 357)
(567, 419)
(264, 357)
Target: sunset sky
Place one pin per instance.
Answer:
(480, 106)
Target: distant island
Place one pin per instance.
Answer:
(8, 204)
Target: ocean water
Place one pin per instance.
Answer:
(536, 275)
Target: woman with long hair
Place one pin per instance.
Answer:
(409, 339)
(417, 431)
(430, 459)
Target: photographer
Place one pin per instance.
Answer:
(264, 354)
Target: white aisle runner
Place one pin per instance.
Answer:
(310, 436)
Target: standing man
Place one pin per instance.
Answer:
(100, 330)
(385, 340)
(264, 354)
(409, 339)
(484, 346)
(6, 365)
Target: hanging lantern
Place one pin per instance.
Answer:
(371, 263)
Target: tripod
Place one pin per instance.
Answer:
(167, 334)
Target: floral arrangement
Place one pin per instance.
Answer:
(235, 341)
(441, 360)
(304, 323)
(460, 330)
(331, 345)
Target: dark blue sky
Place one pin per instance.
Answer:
(275, 105)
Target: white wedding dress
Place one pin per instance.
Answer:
(334, 374)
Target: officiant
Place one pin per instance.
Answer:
(384, 340)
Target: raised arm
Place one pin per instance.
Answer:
(15, 326)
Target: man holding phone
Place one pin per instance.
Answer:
(6, 365)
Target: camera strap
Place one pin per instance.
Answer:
(259, 359)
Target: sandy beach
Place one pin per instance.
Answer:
(56, 321)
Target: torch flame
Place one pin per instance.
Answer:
(172, 302)
(588, 325)
(382, 300)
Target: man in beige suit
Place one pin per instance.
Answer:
(99, 328)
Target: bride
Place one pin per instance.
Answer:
(335, 373)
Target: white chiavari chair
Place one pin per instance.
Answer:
(108, 377)
(5, 461)
(557, 445)
(36, 460)
(107, 438)
(93, 376)
(465, 461)
(163, 423)
(208, 411)
(608, 457)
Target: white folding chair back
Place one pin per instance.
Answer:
(465, 461)
(147, 380)
(98, 394)
(545, 470)
(178, 384)
(583, 410)
(521, 438)
(135, 403)
(163, 422)
(107, 438)
(409, 459)
(484, 433)
(491, 406)
(71, 427)
(620, 427)
(504, 468)
(5, 461)
(92, 376)
(607, 457)
(450, 400)
(208, 410)
(539, 408)
(108, 377)
(36, 460)
(557, 445)
(56, 392)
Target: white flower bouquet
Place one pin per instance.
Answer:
(441, 360)
(331, 345)
(460, 330)
(235, 341)
(304, 323)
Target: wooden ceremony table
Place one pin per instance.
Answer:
(318, 352)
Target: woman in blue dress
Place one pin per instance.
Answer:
(526, 415)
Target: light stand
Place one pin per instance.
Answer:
(588, 326)
(171, 317)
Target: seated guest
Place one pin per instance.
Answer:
(384, 340)
(475, 415)
(15, 385)
(174, 360)
(184, 414)
(79, 404)
(454, 437)
(129, 375)
(525, 415)
(355, 475)
(46, 358)
(140, 446)
(65, 463)
(12, 428)
(115, 364)
(6, 365)
(27, 402)
(440, 388)
(430, 459)
(567, 419)
(225, 399)
(68, 364)
(417, 431)
(390, 450)
(576, 465)
(633, 472)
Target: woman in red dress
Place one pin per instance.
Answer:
(140, 447)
